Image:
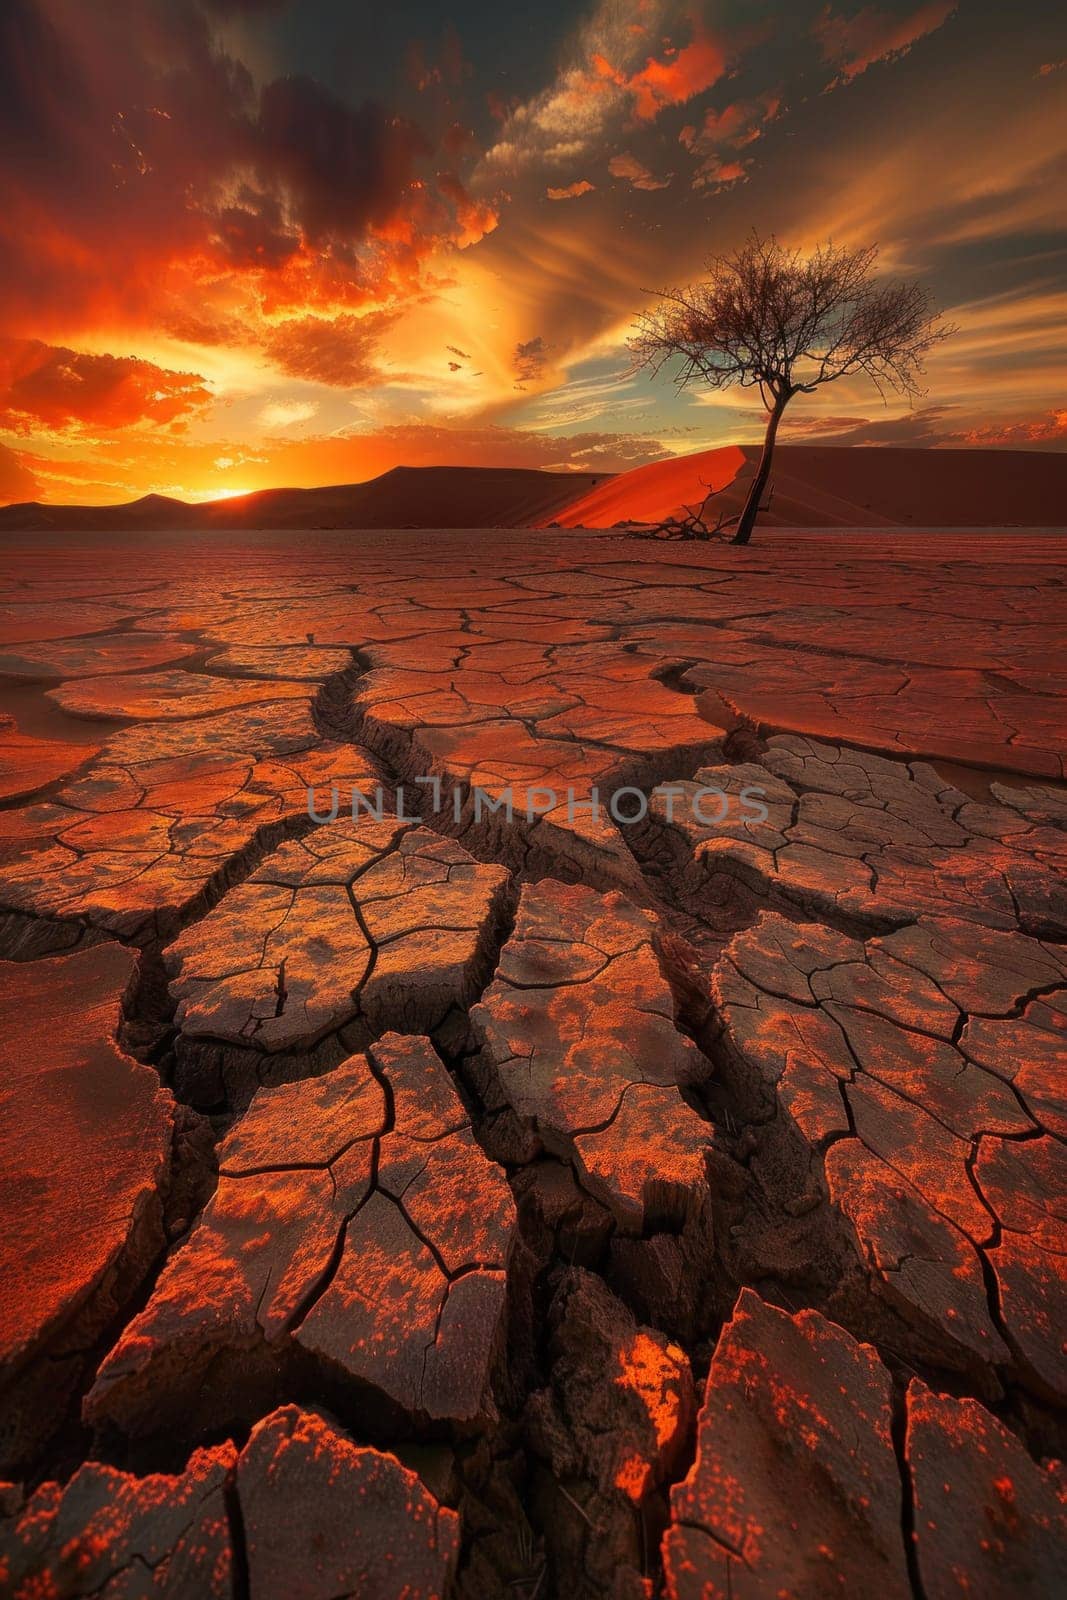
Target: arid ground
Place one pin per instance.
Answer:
(448, 1202)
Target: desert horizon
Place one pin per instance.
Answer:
(533, 800)
(877, 486)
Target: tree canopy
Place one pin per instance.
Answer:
(785, 323)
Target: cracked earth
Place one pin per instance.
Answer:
(442, 1201)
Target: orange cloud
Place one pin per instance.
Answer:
(855, 43)
(473, 218)
(720, 173)
(572, 190)
(1049, 431)
(927, 427)
(47, 386)
(152, 181)
(628, 166)
(689, 71)
(735, 125)
(340, 350)
(732, 128)
(610, 78)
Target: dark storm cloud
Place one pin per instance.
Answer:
(253, 232)
(410, 55)
(342, 167)
(228, 8)
(531, 358)
(136, 151)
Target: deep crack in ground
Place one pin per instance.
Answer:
(506, 1140)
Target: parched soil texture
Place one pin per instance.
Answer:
(534, 1065)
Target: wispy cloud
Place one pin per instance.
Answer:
(571, 191)
(531, 359)
(627, 166)
(626, 62)
(286, 413)
(854, 43)
(724, 132)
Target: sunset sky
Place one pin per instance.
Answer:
(248, 242)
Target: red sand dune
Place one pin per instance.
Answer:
(823, 486)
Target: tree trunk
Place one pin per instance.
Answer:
(755, 494)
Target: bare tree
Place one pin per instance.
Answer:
(786, 323)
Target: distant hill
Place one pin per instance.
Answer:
(406, 497)
(823, 486)
(814, 486)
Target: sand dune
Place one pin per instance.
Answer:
(822, 486)
(406, 497)
(814, 486)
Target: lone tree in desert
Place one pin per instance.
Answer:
(786, 323)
